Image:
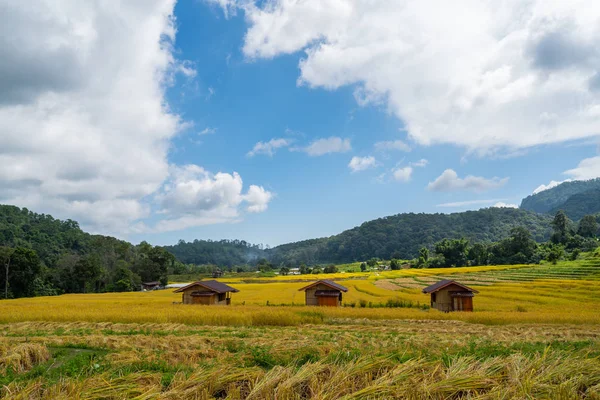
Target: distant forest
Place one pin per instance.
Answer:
(45, 256)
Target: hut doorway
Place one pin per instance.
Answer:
(328, 301)
(462, 304)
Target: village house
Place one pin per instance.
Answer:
(448, 295)
(207, 293)
(150, 285)
(324, 293)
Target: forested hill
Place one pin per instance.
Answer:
(402, 235)
(222, 252)
(576, 198)
(48, 256)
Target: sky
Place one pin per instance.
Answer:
(282, 120)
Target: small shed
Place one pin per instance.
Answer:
(150, 285)
(207, 293)
(448, 295)
(324, 293)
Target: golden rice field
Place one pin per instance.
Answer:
(535, 333)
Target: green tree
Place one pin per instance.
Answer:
(394, 264)
(284, 271)
(363, 267)
(5, 256)
(556, 252)
(317, 270)
(25, 265)
(454, 251)
(423, 260)
(479, 254)
(588, 226)
(560, 226)
(330, 269)
(87, 271)
(373, 262)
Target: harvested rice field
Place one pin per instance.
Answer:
(534, 333)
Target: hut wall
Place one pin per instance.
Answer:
(443, 300)
(311, 299)
(187, 298)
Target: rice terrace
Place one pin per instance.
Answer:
(299, 199)
(534, 333)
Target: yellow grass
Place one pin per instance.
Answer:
(574, 301)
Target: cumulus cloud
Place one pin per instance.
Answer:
(362, 163)
(257, 198)
(402, 174)
(588, 168)
(449, 181)
(502, 204)
(85, 128)
(269, 148)
(392, 145)
(193, 196)
(478, 74)
(328, 145)
(552, 184)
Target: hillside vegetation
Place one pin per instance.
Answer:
(576, 198)
(401, 236)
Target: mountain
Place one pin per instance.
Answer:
(402, 235)
(399, 236)
(580, 205)
(580, 197)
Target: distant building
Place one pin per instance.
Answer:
(217, 273)
(294, 271)
(324, 293)
(207, 293)
(448, 295)
(150, 285)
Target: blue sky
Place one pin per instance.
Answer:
(158, 117)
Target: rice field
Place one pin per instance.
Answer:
(535, 333)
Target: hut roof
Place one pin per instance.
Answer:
(326, 282)
(155, 283)
(213, 286)
(444, 283)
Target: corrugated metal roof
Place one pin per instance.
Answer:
(446, 282)
(212, 285)
(326, 282)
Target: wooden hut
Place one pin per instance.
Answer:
(324, 293)
(207, 293)
(448, 295)
(150, 285)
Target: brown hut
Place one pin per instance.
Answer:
(207, 293)
(324, 293)
(448, 295)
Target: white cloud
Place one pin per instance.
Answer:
(85, 127)
(258, 199)
(362, 163)
(328, 145)
(193, 196)
(588, 168)
(469, 203)
(269, 148)
(392, 145)
(552, 184)
(207, 131)
(449, 181)
(502, 204)
(478, 74)
(421, 163)
(402, 174)
(84, 130)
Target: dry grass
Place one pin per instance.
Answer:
(386, 359)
